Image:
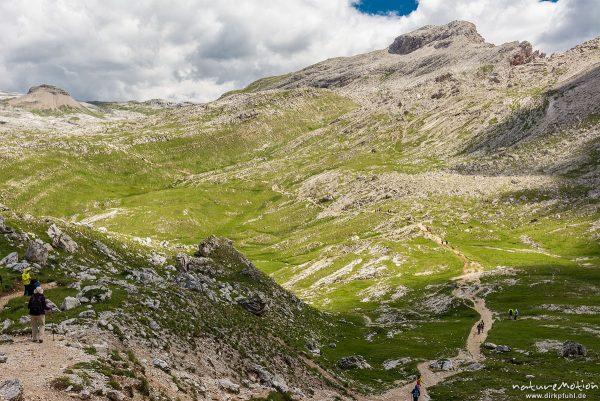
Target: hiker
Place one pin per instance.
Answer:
(37, 310)
(416, 393)
(419, 381)
(510, 313)
(26, 278)
(516, 313)
(478, 328)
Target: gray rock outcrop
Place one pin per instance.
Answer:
(442, 364)
(37, 253)
(4, 229)
(69, 303)
(353, 362)
(11, 390)
(10, 259)
(61, 240)
(161, 364)
(256, 304)
(572, 348)
(415, 40)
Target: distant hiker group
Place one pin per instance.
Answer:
(416, 392)
(513, 314)
(480, 327)
(37, 305)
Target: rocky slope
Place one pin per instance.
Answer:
(128, 322)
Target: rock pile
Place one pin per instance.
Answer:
(573, 349)
(353, 362)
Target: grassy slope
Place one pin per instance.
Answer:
(150, 183)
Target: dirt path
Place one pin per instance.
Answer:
(35, 365)
(468, 288)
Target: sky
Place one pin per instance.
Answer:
(195, 50)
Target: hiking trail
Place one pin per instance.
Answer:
(468, 288)
(36, 365)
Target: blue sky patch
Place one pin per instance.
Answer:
(382, 7)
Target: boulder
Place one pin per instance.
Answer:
(194, 282)
(312, 347)
(94, 293)
(61, 240)
(228, 385)
(572, 348)
(115, 395)
(69, 303)
(200, 264)
(211, 244)
(52, 306)
(11, 390)
(19, 267)
(503, 348)
(475, 366)
(353, 362)
(6, 339)
(88, 314)
(271, 380)
(256, 304)
(105, 250)
(523, 54)
(157, 260)
(442, 364)
(4, 229)
(5, 325)
(37, 253)
(490, 346)
(182, 261)
(146, 276)
(393, 363)
(3, 358)
(161, 364)
(10, 259)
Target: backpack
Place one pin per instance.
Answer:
(36, 307)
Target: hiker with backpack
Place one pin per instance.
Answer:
(510, 314)
(416, 393)
(516, 313)
(37, 310)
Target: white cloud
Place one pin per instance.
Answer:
(197, 49)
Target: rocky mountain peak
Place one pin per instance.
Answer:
(421, 37)
(53, 90)
(45, 97)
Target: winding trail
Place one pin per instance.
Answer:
(468, 288)
(35, 365)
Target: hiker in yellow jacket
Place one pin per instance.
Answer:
(26, 278)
